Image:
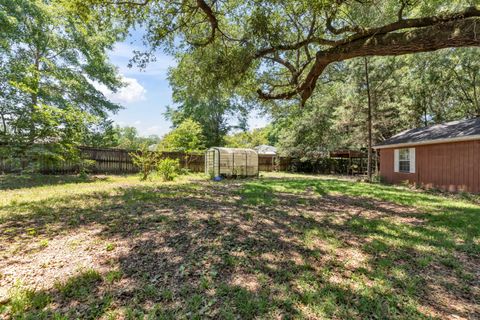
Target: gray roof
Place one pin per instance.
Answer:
(455, 130)
(153, 147)
(266, 149)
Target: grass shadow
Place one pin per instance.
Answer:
(269, 248)
(20, 181)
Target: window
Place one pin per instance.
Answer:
(404, 160)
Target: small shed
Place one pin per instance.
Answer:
(231, 162)
(444, 156)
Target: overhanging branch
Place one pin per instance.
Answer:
(455, 33)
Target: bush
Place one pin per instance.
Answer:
(145, 160)
(85, 166)
(168, 168)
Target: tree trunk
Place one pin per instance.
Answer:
(425, 116)
(369, 122)
(475, 97)
(4, 123)
(34, 98)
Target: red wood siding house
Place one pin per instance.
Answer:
(445, 156)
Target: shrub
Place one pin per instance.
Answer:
(168, 168)
(85, 166)
(145, 160)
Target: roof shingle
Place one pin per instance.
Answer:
(449, 130)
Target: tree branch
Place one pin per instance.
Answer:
(212, 20)
(293, 46)
(414, 23)
(453, 33)
(345, 29)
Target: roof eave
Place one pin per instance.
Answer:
(425, 142)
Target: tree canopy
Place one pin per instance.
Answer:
(280, 49)
(187, 137)
(212, 107)
(406, 92)
(50, 63)
(301, 61)
(250, 139)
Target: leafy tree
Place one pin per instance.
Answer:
(309, 132)
(282, 49)
(443, 86)
(213, 108)
(103, 135)
(248, 139)
(145, 160)
(187, 138)
(406, 92)
(50, 60)
(210, 114)
(464, 66)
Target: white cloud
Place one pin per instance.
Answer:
(133, 91)
(137, 122)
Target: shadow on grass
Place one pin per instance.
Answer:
(12, 181)
(82, 293)
(291, 248)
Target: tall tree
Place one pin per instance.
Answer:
(406, 92)
(214, 107)
(50, 62)
(187, 138)
(249, 139)
(369, 121)
(310, 132)
(282, 48)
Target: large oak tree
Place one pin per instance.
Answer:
(285, 46)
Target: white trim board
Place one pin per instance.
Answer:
(425, 142)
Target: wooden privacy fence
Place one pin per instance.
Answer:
(104, 160)
(268, 162)
(119, 161)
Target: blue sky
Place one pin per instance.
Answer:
(147, 92)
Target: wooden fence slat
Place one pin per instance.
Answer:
(119, 161)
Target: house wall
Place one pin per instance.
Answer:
(451, 166)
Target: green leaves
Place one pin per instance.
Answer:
(168, 168)
(50, 64)
(187, 137)
(279, 49)
(407, 92)
(250, 139)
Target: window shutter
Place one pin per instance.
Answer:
(396, 158)
(412, 160)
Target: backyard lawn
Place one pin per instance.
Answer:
(282, 246)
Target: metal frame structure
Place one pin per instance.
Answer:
(228, 162)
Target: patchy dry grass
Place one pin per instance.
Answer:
(282, 246)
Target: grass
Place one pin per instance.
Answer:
(282, 246)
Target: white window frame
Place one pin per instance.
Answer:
(410, 158)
